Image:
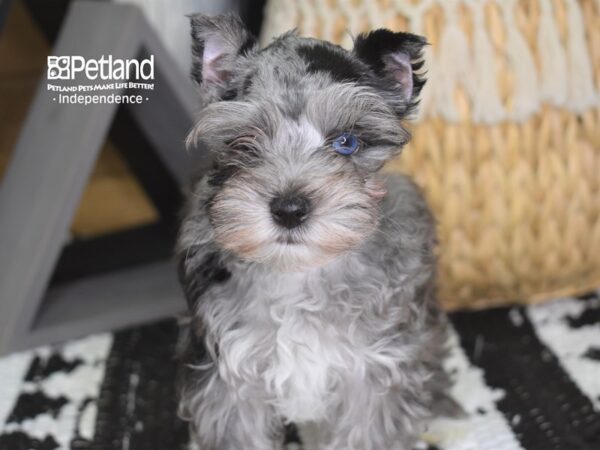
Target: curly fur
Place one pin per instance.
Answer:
(333, 326)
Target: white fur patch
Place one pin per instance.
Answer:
(304, 349)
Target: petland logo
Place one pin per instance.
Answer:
(106, 74)
(105, 68)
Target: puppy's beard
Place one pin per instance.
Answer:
(341, 220)
(314, 245)
(294, 257)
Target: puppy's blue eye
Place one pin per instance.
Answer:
(345, 144)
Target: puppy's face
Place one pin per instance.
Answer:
(299, 130)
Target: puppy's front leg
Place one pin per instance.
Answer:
(376, 418)
(222, 419)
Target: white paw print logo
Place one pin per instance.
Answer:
(58, 68)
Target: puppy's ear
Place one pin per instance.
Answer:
(217, 43)
(394, 57)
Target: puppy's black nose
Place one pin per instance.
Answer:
(290, 210)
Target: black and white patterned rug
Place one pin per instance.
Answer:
(529, 377)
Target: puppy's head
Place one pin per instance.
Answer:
(299, 130)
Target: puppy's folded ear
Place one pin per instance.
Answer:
(217, 44)
(395, 58)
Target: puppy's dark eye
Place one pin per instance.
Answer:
(345, 144)
(245, 144)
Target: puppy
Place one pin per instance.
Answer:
(310, 280)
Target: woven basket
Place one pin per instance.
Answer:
(507, 144)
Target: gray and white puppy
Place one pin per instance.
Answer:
(310, 280)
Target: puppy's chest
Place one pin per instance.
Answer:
(308, 343)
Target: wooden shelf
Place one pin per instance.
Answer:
(52, 161)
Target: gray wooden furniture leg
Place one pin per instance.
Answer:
(51, 163)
